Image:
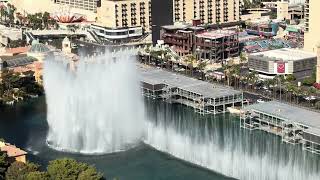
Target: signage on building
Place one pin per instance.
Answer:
(281, 67)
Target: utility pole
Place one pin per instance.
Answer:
(280, 86)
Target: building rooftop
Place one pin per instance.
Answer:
(12, 151)
(18, 60)
(290, 113)
(285, 54)
(38, 48)
(176, 26)
(216, 34)
(158, 76)
(17, 50)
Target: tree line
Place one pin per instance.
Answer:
(15, 87)
(236, 75)
(59, 169)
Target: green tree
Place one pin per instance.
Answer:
(273, 15)
(290, 78)
(3, 164)
(317, 105)
(19, 170)
(309, 81)
(201, 67)
(45, 19)
(243, 58)
(37, 175)
(190, 59)
(5, 14)
(90, 174)
(2, 11)
(61, 169)
(11, 10)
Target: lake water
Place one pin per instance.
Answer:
(215, 142)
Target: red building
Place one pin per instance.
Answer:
(215, 45)
(180, 37)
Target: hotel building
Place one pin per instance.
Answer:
(121, 19)
(85, 8)
(208, 11)
(282, 62)
(90, 5)
(311, 36)
(126, 13)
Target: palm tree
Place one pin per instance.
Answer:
(45, 19)
(253, 78)
(201, 67)
(228, 71)
(242, 58)
(297, 91)
(5, 14)
(236, 75)
(2, 11)
(11, 10)
(167, 59)
(317, 105)
(190, 59)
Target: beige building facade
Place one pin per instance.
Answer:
(90, 5)
(125, 13)
(312, 31)
(283, 10)
(28, 7)
(33, 6)
(208, 11)
(318, 65)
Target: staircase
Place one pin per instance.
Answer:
(94, 36)
(30, 36)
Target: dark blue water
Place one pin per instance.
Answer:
(25, 126)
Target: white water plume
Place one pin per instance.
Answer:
(220, 145)
(96, 108)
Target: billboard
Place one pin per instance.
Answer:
(281, 67)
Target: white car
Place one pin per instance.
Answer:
(309, 98)
(260, 101)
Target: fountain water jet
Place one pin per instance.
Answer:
(106, 115)
(96, 108)
(217, 143)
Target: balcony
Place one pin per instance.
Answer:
(172, 41)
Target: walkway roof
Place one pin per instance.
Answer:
(291, 113)
(157, 76)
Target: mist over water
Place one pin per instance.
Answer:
(96, 108)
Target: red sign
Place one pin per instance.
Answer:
(281, 67)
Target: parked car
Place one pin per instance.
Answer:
(260, 101)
